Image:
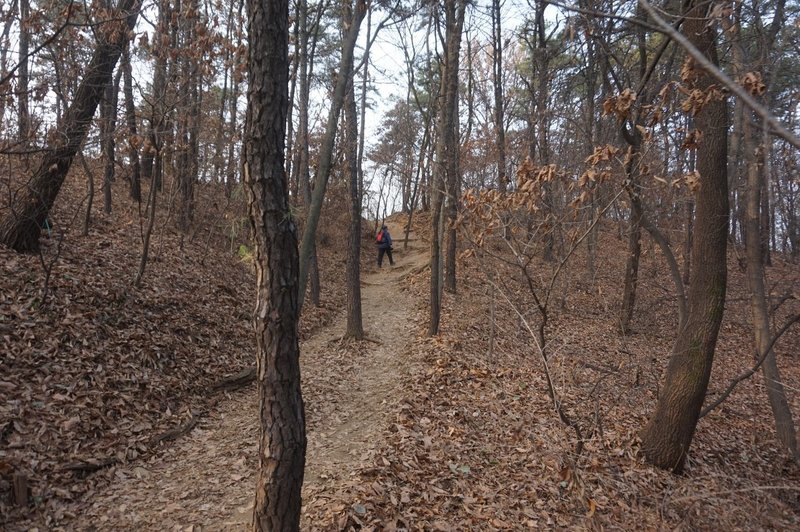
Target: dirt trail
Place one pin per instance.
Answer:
(206, 480)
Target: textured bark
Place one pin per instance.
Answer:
(668, 434)
(446, 151)
(282, 443)
(355, 328)
(453, 193)
(20, 228)
(687, 242)
(784, 424)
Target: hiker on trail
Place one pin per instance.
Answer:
(384, 242)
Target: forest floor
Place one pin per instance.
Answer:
(109, 411)
(206, 479)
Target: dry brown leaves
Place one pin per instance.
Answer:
(101, 372)
(471, 442)
(476, 445)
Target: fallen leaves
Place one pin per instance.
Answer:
(469, 441)
(103, 374)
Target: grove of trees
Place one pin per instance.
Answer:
(519, 127)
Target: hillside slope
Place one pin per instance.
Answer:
(455, 432)
(100, 374)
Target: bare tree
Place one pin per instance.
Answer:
(326, 150)
(355, 328)
(446, 163)
(134, 177)
(108, 113)
(667, 436)
(282, 444)
(21, 227)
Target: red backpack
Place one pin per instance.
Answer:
(379, 238)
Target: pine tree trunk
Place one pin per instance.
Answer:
(282, 444)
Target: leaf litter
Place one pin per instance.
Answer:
(467, 441)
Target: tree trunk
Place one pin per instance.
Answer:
(687, 241)
(20, 229)
(453, 193)
(154, 138)
(282, 443)
(223, 100)
(151, 220)
(195, 117)
(290, 135)
(446, 151)
(5, 46)
(135, 179)
(667, 436)
(355, 327)
(109, 113)
(87, 217)
(765, 222)
(634, 242)
(184, 152)
(301, 169)
(591, 238)
(23, 113)
(499, 103)
(541, 120)
(784, 424)
(326, 149)
(233, 161)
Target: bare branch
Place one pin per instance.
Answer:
(721, 77)
(749, 373)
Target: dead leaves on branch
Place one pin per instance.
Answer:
(619, 105)
(753, 83)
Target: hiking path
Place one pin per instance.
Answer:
(205, 480)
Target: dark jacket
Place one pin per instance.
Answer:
(386, 242)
